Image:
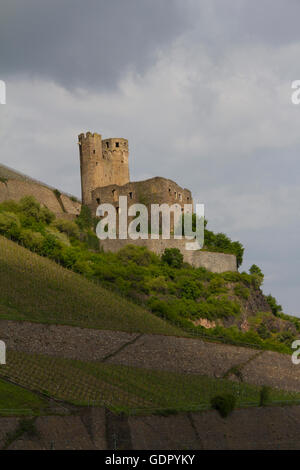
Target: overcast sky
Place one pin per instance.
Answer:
(202, 90)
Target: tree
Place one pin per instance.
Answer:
(173, 257)
(257, 274)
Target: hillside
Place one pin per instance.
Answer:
(34, 288)
(227, 306)
(135, 373)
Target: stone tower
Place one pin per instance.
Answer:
(102, 162)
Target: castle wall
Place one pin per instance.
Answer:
(152, 191)
(16, 189)
(215, 262)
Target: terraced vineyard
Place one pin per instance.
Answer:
(17, 400)
(125, 388)
(36, 289)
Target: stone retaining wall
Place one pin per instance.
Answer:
(215, 262)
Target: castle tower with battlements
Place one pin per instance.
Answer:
(105, 177)
(102, 162)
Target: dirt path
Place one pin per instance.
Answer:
(152, 351)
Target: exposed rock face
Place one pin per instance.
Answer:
(256, 303)
(205, 323)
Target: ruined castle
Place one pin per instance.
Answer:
(104, 168)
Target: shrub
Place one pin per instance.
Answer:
(263, 331)
(51, 247)
(246, 279)
(9, 206)
(57, 193)
(140, 255)
(30, 208)
(264, 395)
(173, 257)
(68, 227)
(8, 222)
(92, 241)
(231, 276)
(275, 307)
(158, 306)
(216, 286)
(85, 219)
(46, 215)
(84, 267)
(286, 337)
(188, 288)
(242, 291)
(158, 284)
(257, 275)
(32, 240)
(224, 404)
(218, 308)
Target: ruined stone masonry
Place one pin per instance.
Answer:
(105, 177)
(15, 185)
(104, 168)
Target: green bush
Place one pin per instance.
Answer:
(30, 208)
(264, 395)
(9, 206)
(189, 288)
(173, 257)
(158, 306)
(85, 219)
(57, 193)
(51, 247)
(46, 215)
(216, 286)
(68, 227)
(137, 254)
(242, 291)
(286, 337)
(257, 275)
(275, 307)
(224, 404)
(92, 241)
(263, 331)
(8, 222)
(32, 240)
(218, 308)
(157, 284)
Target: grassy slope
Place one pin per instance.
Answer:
(17, 400)
(36, 289)
(125, 388)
